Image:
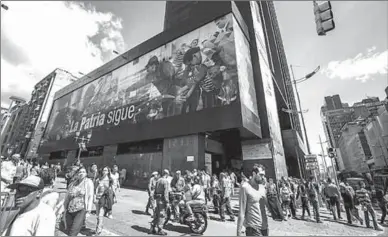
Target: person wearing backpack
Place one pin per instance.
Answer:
(302, 193)
(347, 197)
(312, 190)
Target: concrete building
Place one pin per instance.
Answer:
(131, 107)
(376, 131)
(9, 124)
(39, 109)
(354, 148)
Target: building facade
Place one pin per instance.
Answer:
(354, 148)
(37, 111)
(151, 109)
(10, 123)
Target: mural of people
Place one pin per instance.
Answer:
(194, 72)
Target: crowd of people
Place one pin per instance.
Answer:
(259, 196)
(41, 210)
(40, 207)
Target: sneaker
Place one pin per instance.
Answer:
(379, 228)
(110, 217)
(319, 221)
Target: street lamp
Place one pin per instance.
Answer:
(306, 77)
(117, 53)
(82, 141)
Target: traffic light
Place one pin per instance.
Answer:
(323, 17)
(331, 152)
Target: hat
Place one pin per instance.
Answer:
(166, 172)
(154, 173)
(342, 184)
(16, 156)
(31, 181)
(189, 55)
(178, 172)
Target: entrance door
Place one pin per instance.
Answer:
(216, 164)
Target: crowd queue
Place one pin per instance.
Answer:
(41, 209)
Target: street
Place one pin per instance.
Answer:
(129, 219)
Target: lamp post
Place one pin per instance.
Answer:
(82, 141)
(306, 77)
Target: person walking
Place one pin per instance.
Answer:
(226, 193)
(104, 198)
(216, 194)
(303, 194)
(177, 186)
(293, 191)
(312, 189)
(78, 201)
(35, 218)
(348, 199)
(162, 201)
(252, 203)
(151, 191)
(334, 196)
(273, 201)
(363, 198)
(285, 196)
(123, 176)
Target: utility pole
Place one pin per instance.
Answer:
(323, 153)
(301, 114)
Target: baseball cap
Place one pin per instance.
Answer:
(154, 173)
(31, 181)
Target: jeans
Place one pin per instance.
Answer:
(292, 206)
(151, 202)
(334, 202)
(75, 222)
(100, 212)
(249, 231)
(371, 211)
(159, 215)
(225, 205)
(305, 206)
(383, 207)
(315, 204)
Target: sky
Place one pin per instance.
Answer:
(37, 37)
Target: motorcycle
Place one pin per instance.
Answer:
(197, 224)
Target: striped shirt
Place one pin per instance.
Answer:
(363, 197)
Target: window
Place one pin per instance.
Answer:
(149, 146)
(58, 155)
(92, 151)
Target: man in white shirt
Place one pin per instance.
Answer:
(35, 218)
(252, 202)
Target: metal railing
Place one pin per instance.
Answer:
(8, 211)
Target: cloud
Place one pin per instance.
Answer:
(361, 67)
(55, 35)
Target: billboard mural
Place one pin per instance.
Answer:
(195, 72)
(270, 99)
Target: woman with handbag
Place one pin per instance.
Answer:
(78, 202)
(104, 197)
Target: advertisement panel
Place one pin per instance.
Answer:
(192, 74)
(249, 110)
(268, 84)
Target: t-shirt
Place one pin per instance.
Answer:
(50, 197)
(252, 207)
(40, 221)
(198, 193)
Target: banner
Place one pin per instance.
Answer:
(195, 72)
